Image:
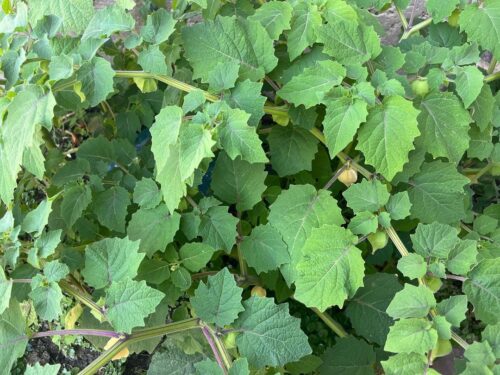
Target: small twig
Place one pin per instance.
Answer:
(331, 181)
(454, 277)
(271, 83)
(212, 345)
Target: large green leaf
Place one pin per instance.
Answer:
(75, 14)
(469, 83)
(30, 109)
(405, 364)
(306, 22)
(129, 302)
(269, 335)
(12, 332)
(75, 200)
(110, 206)
(437, 193)
(219, 300)
(96, 77)
(107, 21)
(244, 42)
(110, 260)
(412, 302)
(331, 268)
(482, 24)
(296, 212)
(275, 16)
(411, 336)
(434, 240)
(388, 135)
(238, 182)
(368, 195)
(348, 356)
(310, 87)
(483, 290)
(218, 228)
(444, 124)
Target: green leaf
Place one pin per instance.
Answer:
(159, 26)
(342, 120)
(76, 14)
(462, 257)
(367, 195)
(5, 291)
(348, 356)
(75, 200)
(481, 25)
(110, 206)
(223, 76)
(219, 300)
(349, 43)
(441, 9)
(60, 67)
(46, 297)
(412, 302)
(36, 220)
(107, 21)
(469, 82)
(399, 206)
(264, 249)
(412, 266)
(331, 268)
(244, 42)
(181, 278)
(239, 367)
(146, 193)
(480, 352)
(443, 327)
(55, 271)
(363, 223)
(173, 361)
(405, 364)
(195, 255)
(383, 141)
(155, 228)
(129, 302)
(239, 139)
(238, 182)
(152, 60)
(247, 96)
(111, 260)
(437, 193)
(218, 228)
(306, 22)
(296, 212)
(193, 100)
(30, 109)
(372, 300)
(411, 336)
(207, 366)
(38, 369)
(434, 240)
(292, 149)
(275, 16)
(310, 87)
(12, 332)
(269, 335)
(96, 77)
(154, 271)
(444, 124)
(491, 334)
(483, 290)
(483, 108)
(453, 309)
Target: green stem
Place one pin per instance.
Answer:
(401, 15)
(139, 335)
(417, 27)
(332, 324)
(460, 341)
(83, 297)
(226, 358)
(493, 64)
(492, 77)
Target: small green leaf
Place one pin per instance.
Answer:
(399, 206)
(349, 355)
(453, 309)
(38, 369)
(306, 22)
(411, 336)
(405, 364)
(434, 240)
(159, 26)
(462, 257)
(412, 266)
(5, 291)
(367, 195)
(363, 223)
(195, 255)
(75, 200)
(107, 21)
(412, 302)
(110, 206)
(469, 83)
(181, 278)
(36, 220)
(480, 352)
(146, 193)
(275, 16)
(218, 228)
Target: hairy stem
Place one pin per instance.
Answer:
(215, 350)
(83, 297)
(454, 277)
(331, 323)
(416, 28)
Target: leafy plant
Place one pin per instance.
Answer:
(226, 170)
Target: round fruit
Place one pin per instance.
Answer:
(230, 340)
(420, 87)
(453, 19)
(348, 176)
(378, 240)
(258, 291)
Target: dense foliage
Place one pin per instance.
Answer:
(223, 181)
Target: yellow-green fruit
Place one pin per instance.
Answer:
(442, 348)
(453, 19)
(378, 240)
(230, 340)
(420, 87)
(348, 176)
(258, 291)
(433, 283)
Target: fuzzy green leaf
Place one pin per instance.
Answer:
(411, 336)
(434, 240)
(275, 16)
(412, 302)
(366, 196)
(195, 255)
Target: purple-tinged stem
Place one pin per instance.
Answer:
(83, 332)
(211, 342)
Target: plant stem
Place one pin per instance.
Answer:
(226, 358)
(332, 324)
(397, 241)
(214, 348)
(83, 297)
(417, 27)
(402, 17)
(83, 332)
(21, 281)
(491, 77)
(330, 182)
(493, 64)
(460, 341)
(241, 258)
(139, 335)
(454, 277)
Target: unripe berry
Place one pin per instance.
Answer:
(420, 87)
(258, 291)
(378, 240)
